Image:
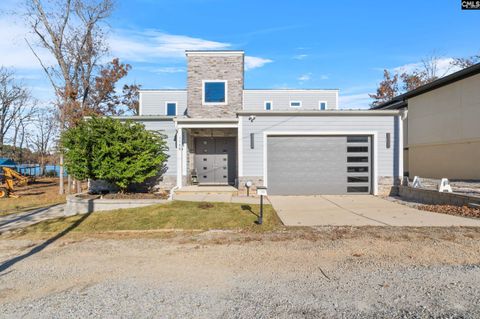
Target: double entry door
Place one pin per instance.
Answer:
(214, 160)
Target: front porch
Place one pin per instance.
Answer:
(207, 153)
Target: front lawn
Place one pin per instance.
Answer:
(175, 215)
(43, 192)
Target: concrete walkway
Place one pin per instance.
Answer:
(218, 197)
(20, 220)
(357, 210)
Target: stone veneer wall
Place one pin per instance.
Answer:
(214, 67)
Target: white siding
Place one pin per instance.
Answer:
(153, 102)
(168, 128)
(387, 158)
(254, 100)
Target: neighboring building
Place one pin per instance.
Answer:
(292, 141)
(442, 130)
(4, 161)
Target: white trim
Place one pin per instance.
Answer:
(208, 125)
(184, 153)
(290, 90)
(400, 147)
(326, 105)
(140, 103)
(166, 108)
(213, 52)
(265, 105)
(240, 147)
(179, 156)
(295, 101)
(374, 135)
(336, 101)
(163, 91)
(214, 103)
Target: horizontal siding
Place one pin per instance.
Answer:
(254, 100)
(153, 102)
(167, 128)
(387, 158)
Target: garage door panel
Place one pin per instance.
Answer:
(310, 165)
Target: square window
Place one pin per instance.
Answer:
(214, 92)
(171, 109)
(295, 104)
(268, 106)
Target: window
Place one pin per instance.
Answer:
(359, 169)
(357, 179)
(295, 103)
(322, 105)
(268, 105)
(362, 159)
(357, 189)
(357, 139)
(357, 149)
(215, 92)
(171, 108)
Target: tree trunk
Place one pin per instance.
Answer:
(69, 183)
(60, 188)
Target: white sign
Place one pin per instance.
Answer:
(262, 191)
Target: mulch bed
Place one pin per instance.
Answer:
(136, 195)
(464, 211)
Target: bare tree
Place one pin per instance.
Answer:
(73, 32)
(43, 137)
(466, 62)
(13, 98)
(22, 120)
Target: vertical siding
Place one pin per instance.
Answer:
(153, 102)
(167, 128)
(387, 158)
(254, 99)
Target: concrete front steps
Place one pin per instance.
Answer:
(214, 189)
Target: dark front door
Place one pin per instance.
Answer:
(215, 160)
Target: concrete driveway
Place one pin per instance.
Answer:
(357, 210)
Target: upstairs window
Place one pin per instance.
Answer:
(268, 105)
(295, 103)
(322, 105)
(171, 108)
(215, 92)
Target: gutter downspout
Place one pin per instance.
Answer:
(402, 117)
(172, 192)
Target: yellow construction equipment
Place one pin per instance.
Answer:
(8, 183)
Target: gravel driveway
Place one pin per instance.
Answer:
(328, 272)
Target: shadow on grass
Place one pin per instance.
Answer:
(248, 208)
(9, 263)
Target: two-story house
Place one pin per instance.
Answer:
(292, 141)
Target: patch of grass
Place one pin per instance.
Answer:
(175, 215)
(43, 192)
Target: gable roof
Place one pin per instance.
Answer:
(400, 101)
(6, 162)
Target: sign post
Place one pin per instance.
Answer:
(261, 191)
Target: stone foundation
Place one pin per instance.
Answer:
(434, 197)
(256, 181)
(153, 185)
(388, 186)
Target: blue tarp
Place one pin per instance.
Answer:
(7, 162)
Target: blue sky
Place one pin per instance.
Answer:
(289, 44)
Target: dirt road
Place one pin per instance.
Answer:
(329, 272)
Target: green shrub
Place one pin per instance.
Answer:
(119, 152)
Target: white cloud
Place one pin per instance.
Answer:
(304, 77)
(150, 44)
(323, 77)
(253, 62)
(169, 69)
(354, 101)
(300, 56)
